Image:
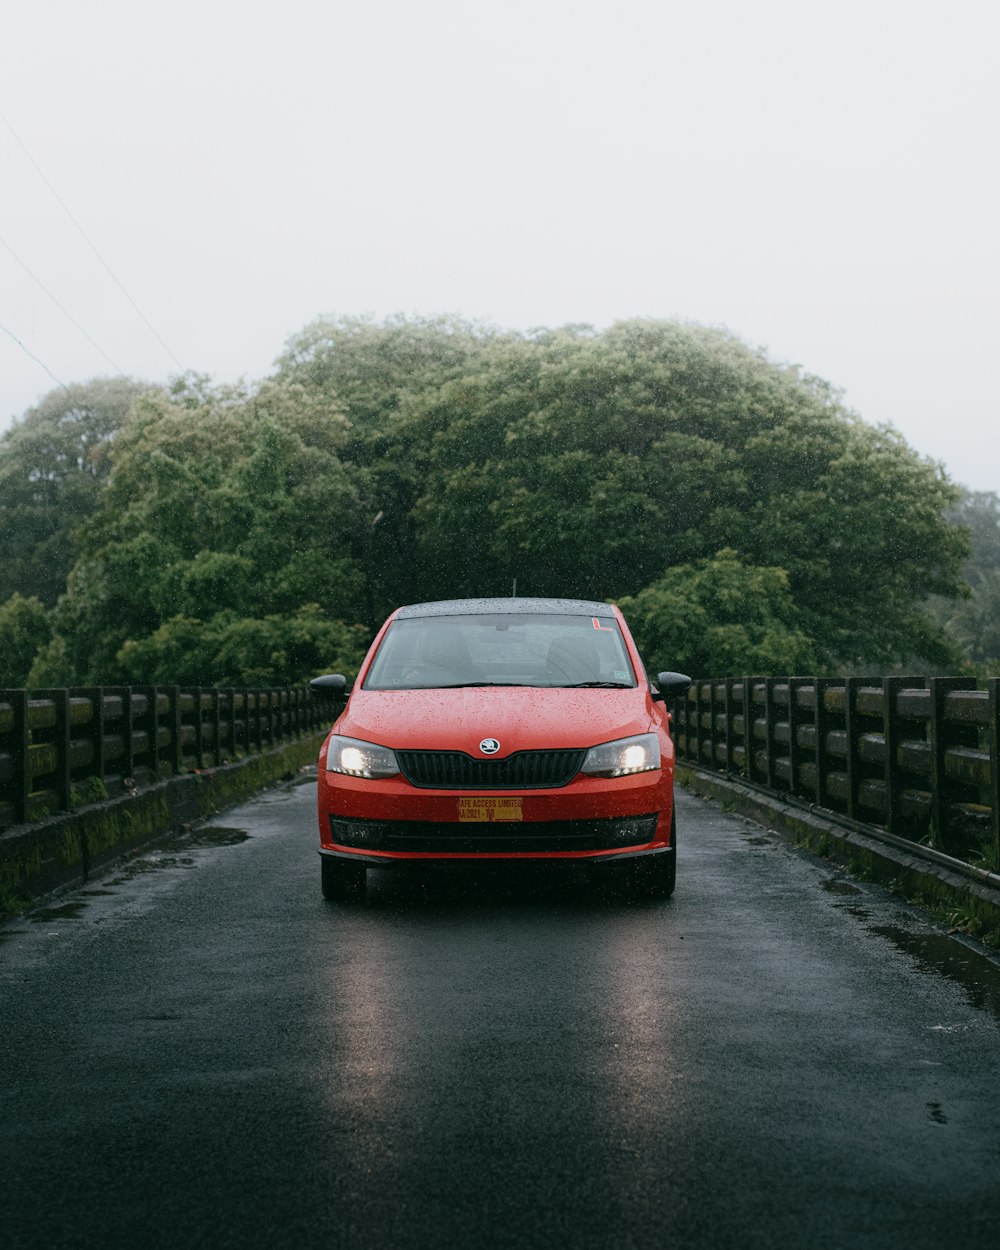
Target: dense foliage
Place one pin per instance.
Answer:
(974, 620)
(24, 627)
(720, 617)
(54, 463)
(744, 518)
(227, 512)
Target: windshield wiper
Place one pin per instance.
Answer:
(594, 685)
(467, 685)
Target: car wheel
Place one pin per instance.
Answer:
(660, 876)
(656, 876)
(342, 880)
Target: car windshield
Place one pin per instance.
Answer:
(501, 649)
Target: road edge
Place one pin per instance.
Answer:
(971, 905)
(69, 848)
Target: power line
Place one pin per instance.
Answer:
(86, 238)
(65, 311)
(74, 396)
(58, 381)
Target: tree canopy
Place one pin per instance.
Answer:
(54, 463)
(722, 618)
(973, 621)
(742, 515)
(589, 464)
(225, 507)
(24, 628)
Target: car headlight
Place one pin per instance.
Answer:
(640, 754)
(360, 759)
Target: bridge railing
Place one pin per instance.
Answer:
(61, 749)
(915, 756)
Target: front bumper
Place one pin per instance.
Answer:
(389, 859)
(590, 817)
(410, 837)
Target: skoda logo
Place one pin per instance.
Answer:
(489, 746)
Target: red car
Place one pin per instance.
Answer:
(499, 729)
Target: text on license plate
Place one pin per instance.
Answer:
(489, 809)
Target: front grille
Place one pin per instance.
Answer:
(506, 837)
(454, 770)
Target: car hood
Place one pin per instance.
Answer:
(521, 718)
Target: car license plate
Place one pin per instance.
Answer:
(489, 809)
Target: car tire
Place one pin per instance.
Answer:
(342, 880)
(660, 875)
(656, 876)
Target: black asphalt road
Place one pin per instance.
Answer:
(202, 1053)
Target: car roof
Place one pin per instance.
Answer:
(475, 607)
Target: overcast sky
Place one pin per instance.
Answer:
(821, 179)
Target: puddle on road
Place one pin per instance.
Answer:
(932, 951)
(197, 839)
(216, 835)
(837, 885)
(860, 913)
(67, 911)
(941, 953)
(155, 862)
(169, 854)
(834, 885)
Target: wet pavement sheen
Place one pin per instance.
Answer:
(198, 1051)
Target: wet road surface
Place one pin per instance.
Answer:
(201, 1052)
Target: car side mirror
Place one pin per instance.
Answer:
(671, 683)
(330, 686)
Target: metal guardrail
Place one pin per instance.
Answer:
(61, 749)
(915, 757)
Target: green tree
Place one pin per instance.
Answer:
(973, 620)
(589, 464)
(54, 463)
(720, 618)
(436, 458)
(224, 503)
(24, 629)
(377, 373)
(373, 369)
(229, 650)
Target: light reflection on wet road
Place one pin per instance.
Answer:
(199, 1051)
